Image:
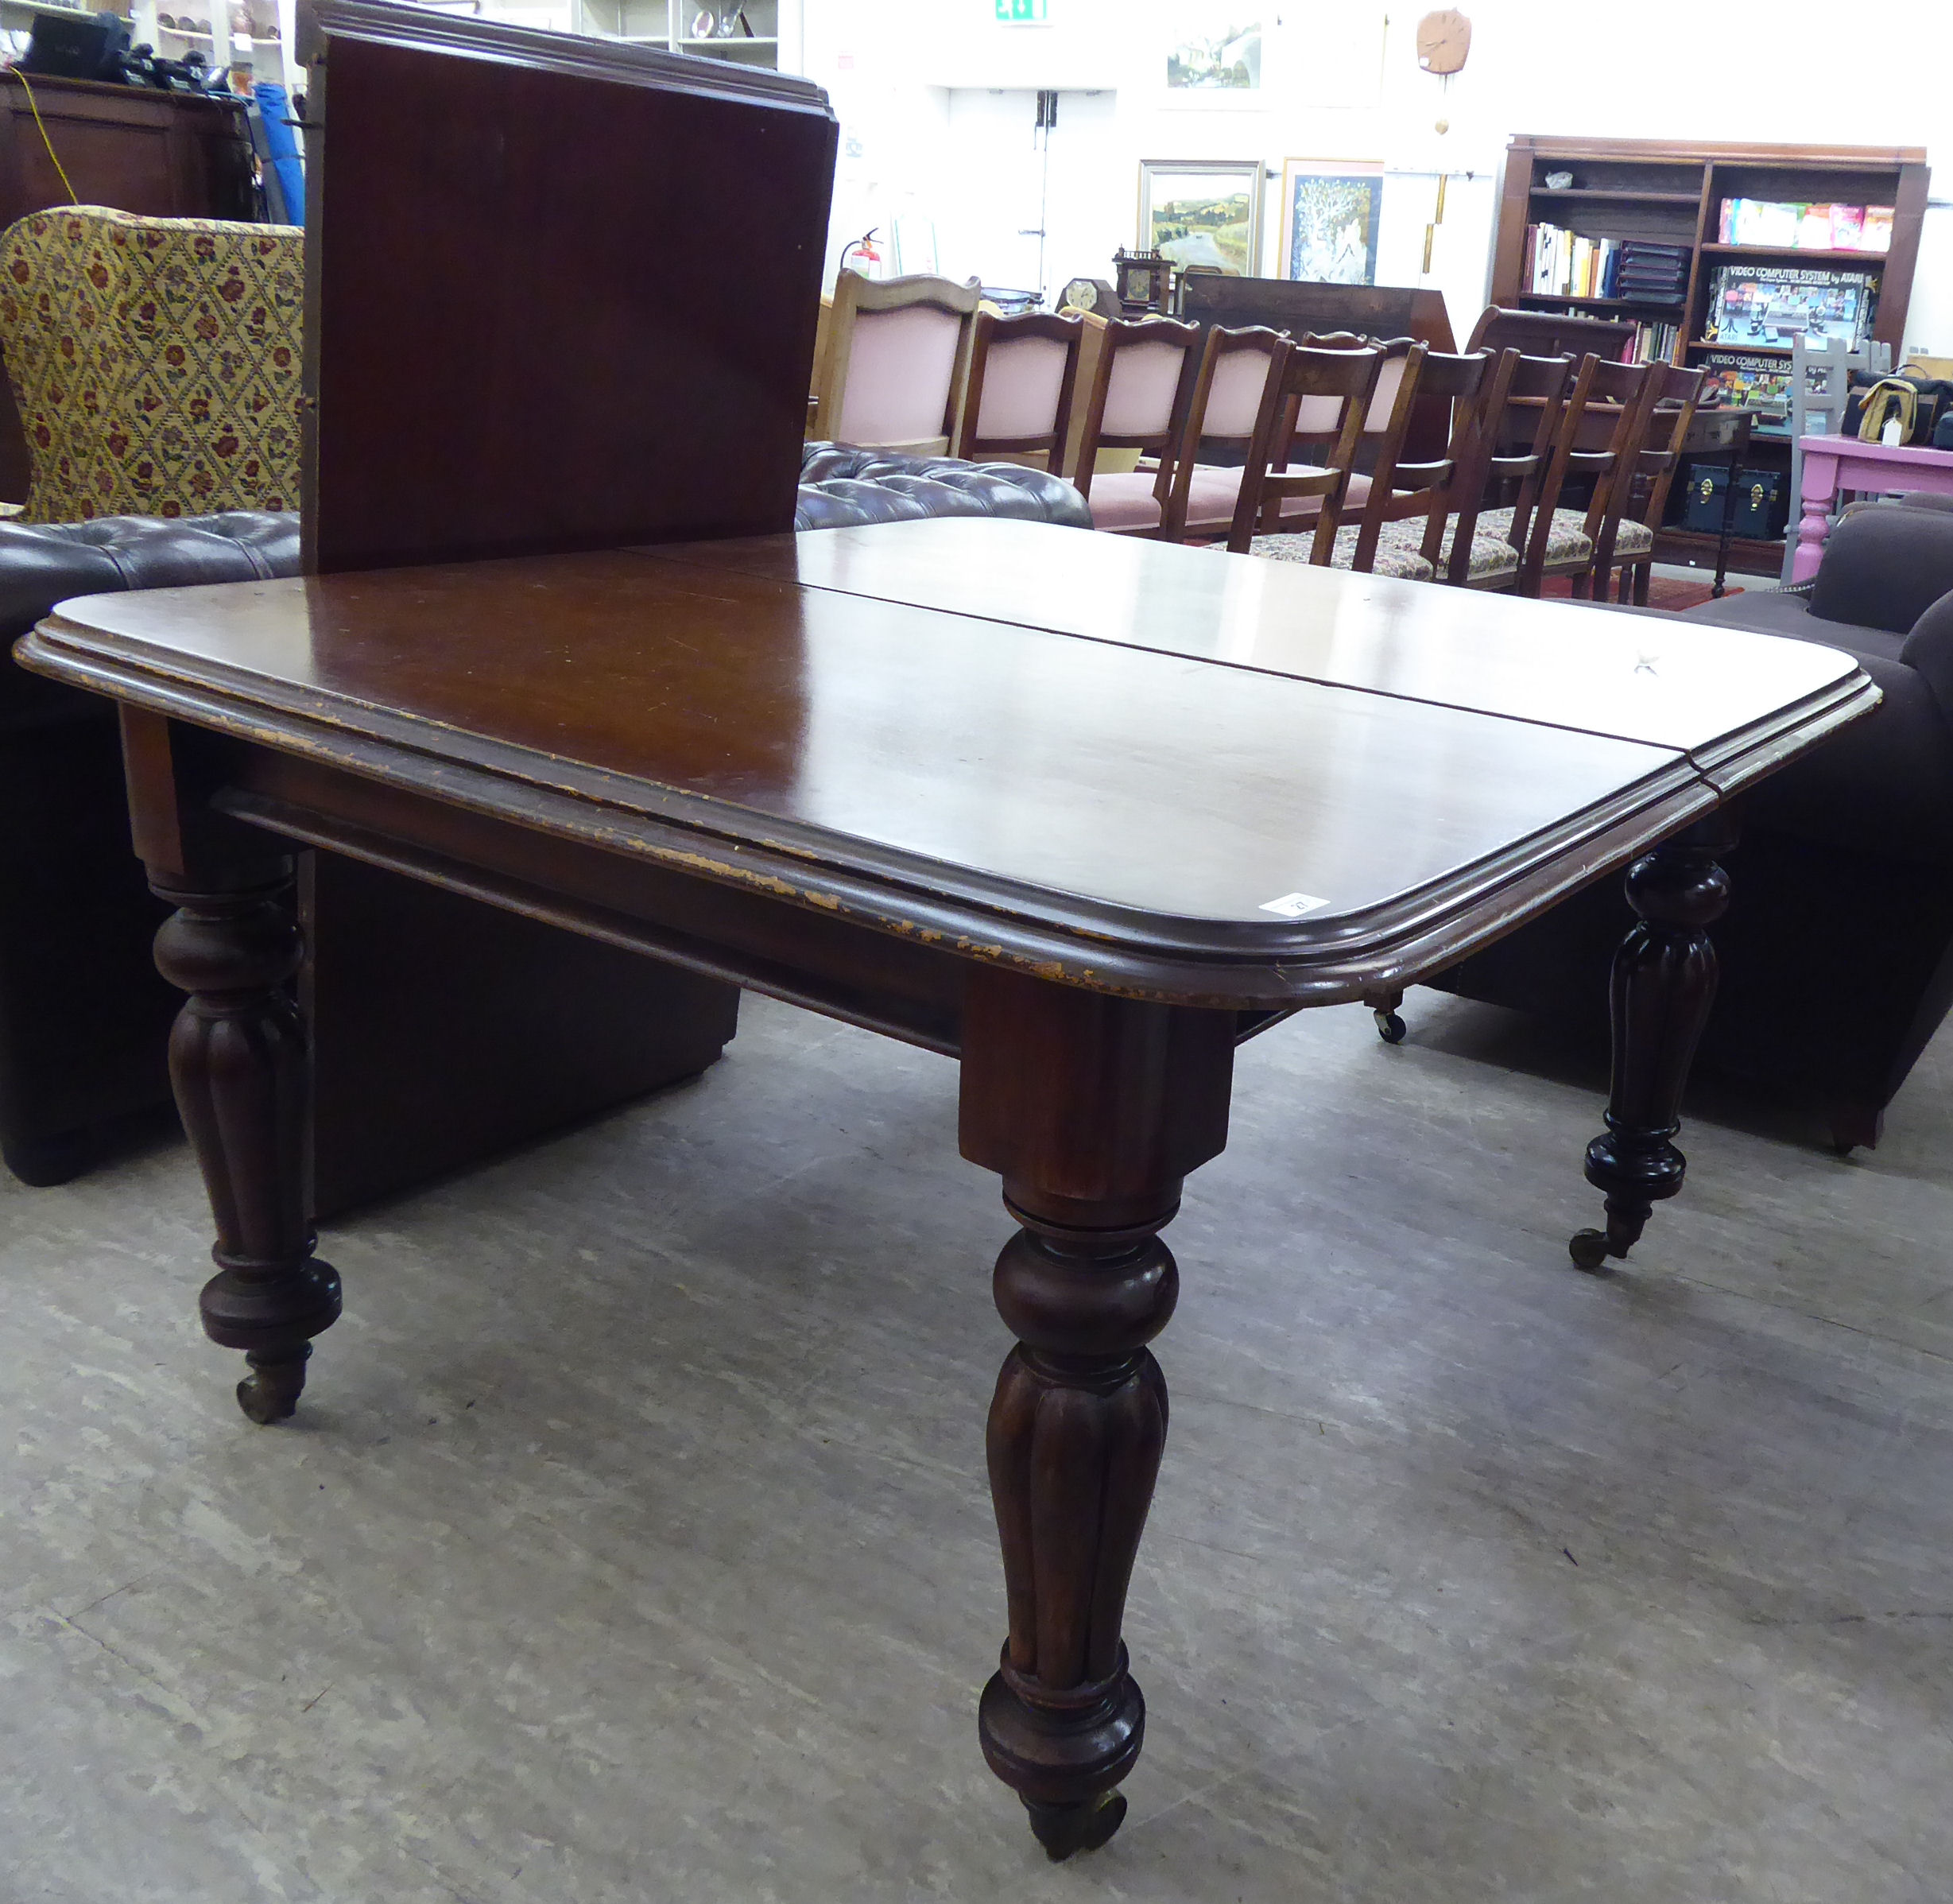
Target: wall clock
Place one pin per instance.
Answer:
(1443, 40)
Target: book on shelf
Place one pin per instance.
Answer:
(1652, 343)
(1758, 306)
(1562, 263)
(1796, 225)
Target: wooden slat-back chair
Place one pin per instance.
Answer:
(1630, 546)
(1613, 396)
(1320, 394)
(1521, 432)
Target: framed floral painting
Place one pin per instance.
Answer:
(1330, 211)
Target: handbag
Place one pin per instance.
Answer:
(1918, 402)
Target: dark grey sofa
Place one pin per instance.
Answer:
(1837, 950)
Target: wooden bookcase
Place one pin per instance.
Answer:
(1648, 188)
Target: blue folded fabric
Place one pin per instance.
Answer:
(275, 104)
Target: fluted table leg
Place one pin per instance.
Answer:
(1093, 1109)
(237, 1061)
(1663, 983)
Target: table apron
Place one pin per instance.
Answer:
(900, 987)
(907, 984)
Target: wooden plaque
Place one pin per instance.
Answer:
(561, 293)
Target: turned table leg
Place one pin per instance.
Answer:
(1817, 492)
(1076, 1431)
(1663, 983)
(237, 1061)
(1093, 1109)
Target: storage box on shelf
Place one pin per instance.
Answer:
(1639, 202)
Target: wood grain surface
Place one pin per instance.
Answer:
(1113, 812)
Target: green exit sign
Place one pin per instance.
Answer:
(1023, 13)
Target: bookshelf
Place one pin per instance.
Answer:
(753, 40)
(1673, 194)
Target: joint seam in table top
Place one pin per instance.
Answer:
(679, 554)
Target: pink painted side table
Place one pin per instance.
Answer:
(1831, 464)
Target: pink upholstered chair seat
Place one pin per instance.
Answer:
(1212, 492)
(1125, 500)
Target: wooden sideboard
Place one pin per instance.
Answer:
(1371, 310)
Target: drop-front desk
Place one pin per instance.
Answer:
(1082, 811)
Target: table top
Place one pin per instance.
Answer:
(1008, 737)
(1723, 427)
(1914, 455)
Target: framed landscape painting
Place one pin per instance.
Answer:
(1216, 47)
(1202, 212)
(1330, 211)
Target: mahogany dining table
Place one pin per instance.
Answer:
(1083, 811)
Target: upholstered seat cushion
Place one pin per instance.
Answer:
(1567, 540)
(1212, 492)
(1126, 502)
(1633, 539)
(1398, 552)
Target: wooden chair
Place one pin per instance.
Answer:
(1140, 397)
(1520, 430)
(1318, 394)
(1627, 402)
(1016, 401)
(1237, 368)
(897, 353)
(1630, 546)
(1600, 425)
(1820, 384)
(1419, 519)
(1300, 511)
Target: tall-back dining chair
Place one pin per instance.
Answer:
(1601, 428)
(1018, 398)
(1139, 399)
(1629, 546)
(1318, 398)
(1627, 401)
(1448, 491)
(895, 357)
(1237, 368)
(1520, 429)
(1402, 528)
(1820, 386)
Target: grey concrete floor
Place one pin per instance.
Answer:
(634, 1543)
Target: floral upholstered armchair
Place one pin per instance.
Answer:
(155, 361)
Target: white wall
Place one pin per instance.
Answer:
(936, 103)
